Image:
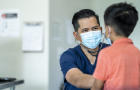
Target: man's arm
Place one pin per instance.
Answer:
(97, 85)
(79, 79)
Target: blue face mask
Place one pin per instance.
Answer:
(108, 41)
(91, 39)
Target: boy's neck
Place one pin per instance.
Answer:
(117, 38)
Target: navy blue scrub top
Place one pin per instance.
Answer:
(75, 58)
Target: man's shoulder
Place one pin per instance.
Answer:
(71, 51)
(104, 45)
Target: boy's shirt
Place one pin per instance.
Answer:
(119, 66)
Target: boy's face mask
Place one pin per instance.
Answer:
(91, 39)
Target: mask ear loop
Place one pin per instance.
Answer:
(105, 37)
(109, 32)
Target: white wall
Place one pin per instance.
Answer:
(100, 5)
(61, 38)
(32, 67)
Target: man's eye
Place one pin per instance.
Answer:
(95, 28)
(84, 30)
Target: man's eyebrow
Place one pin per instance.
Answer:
(95, 26)
(84, 28)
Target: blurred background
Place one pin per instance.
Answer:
(41, 70)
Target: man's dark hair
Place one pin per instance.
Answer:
(122, 17)
(84, 13)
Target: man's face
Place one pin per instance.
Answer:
(86, 25)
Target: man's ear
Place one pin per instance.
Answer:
(77, 37)
(101, 30)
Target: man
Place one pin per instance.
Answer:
(118, 66)
(78, 63)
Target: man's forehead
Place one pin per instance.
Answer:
(92, 17)
(85, 21)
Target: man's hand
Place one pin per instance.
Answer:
(79, 79)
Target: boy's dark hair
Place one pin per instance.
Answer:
(122, 17)
(84, 13)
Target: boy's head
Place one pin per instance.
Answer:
(122, 17)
